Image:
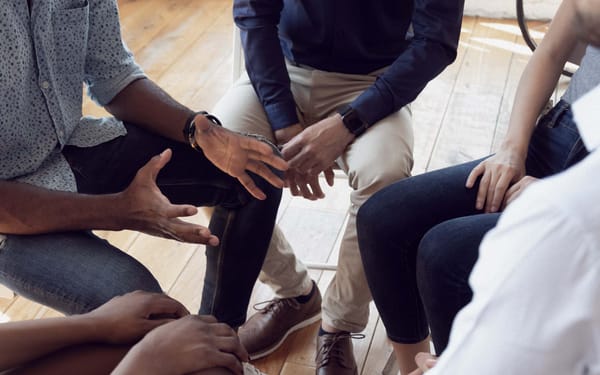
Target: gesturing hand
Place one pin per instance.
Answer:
(147, 210)
(126, 319)
(497, 173)
(236, 153)
(187, 345)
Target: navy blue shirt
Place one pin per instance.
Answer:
(347, 36)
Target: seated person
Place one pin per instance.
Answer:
(443, 215)
(535, 307)
(165, 340)
(62, 175)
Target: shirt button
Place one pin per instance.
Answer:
(60, 133)
(45, 85)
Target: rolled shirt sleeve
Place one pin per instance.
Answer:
(109, 65)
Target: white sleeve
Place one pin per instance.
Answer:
(535, 287)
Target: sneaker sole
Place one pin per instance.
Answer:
(271, 349)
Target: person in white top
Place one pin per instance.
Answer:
(535, 307)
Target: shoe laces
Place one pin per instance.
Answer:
(276, 304)
(330, 352)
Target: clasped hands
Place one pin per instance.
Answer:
(311, 151)
(168, 340)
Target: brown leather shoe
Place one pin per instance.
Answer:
(335, 355)
(266, 330)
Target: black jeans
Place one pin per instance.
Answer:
(76, 272)
(419, 238)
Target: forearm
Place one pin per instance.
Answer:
(539, 78)
(437, 26)
(22, 342)
(135, 362)
(265, 61)
(27, 209)
(145, 104)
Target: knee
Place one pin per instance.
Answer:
(122, 280)
(368, 178)
(373, 221)
(435, 252)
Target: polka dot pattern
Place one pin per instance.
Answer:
(47, 55)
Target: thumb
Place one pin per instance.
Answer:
(201, 123)
(158, 162)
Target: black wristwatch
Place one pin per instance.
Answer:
(352, 121)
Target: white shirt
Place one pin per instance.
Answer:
(536, 302)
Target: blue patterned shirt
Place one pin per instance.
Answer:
(46, 56)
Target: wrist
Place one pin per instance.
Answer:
(348, 135)
(88, 327)
(284, 135)
(515, 147)
(196, 121)
(352, 121)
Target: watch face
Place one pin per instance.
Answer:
(352, 122)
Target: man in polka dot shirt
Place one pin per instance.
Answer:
(62, 175)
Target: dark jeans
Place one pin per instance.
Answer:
(419, 238)
(75, 272)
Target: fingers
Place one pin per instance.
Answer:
(317, 192)
(315, 185)
(499, 191)
(229, 361)
(329, 176)
(188, 232)
(490, 189)
(425, 361)
(232, 345)
(263, 152)
(161, 305)
(248, 183)
(484, 184)
(271, 158)
(206, 318)
(180, 210)
(514, 191)
(291, 149)
(264, 172)
(475, 173)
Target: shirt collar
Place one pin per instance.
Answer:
(586, 113)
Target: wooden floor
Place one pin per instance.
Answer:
(186, 46)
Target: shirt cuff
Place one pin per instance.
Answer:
(373, 105)
(281, 115)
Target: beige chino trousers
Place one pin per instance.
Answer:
(382, 155)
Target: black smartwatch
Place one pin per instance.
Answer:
(352, 121)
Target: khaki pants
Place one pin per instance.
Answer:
(382, 155)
